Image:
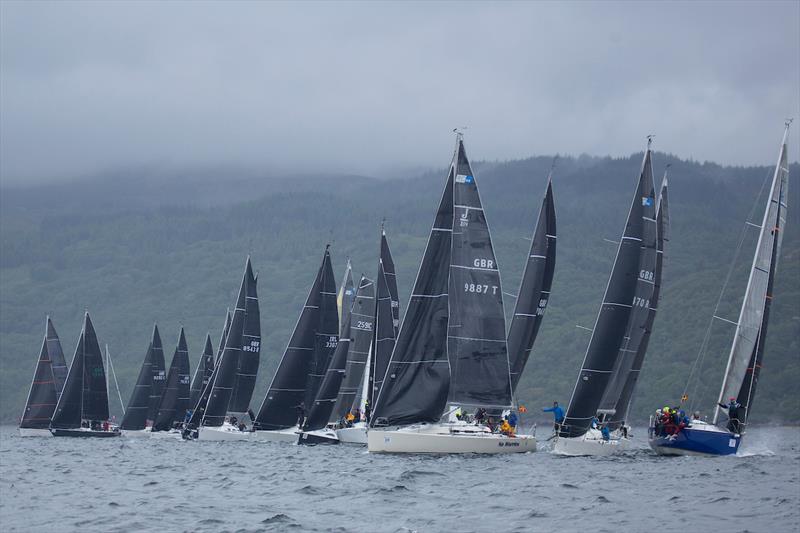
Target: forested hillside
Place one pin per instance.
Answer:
(140, 247)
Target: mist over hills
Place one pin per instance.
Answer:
(145, 246)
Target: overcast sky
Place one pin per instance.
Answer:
(370, 87)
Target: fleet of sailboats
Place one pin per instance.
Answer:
(352, 372)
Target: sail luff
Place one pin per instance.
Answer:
(749, 324)
(534, 290)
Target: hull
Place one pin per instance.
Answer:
(353, 435)
(279, 435)
(84, 433)
(590, 444)
(223, 432)
(446, 438)
(34, 432)
(701, 439)
(319, 436)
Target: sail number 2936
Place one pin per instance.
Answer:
(481, 289)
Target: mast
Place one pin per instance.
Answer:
(476, 341)
(359, 330)
(419, 366)
(747, 348)
(534, 290)
(306, 356)
(249, 357)
(612, 319)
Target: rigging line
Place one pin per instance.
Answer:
(697, 365)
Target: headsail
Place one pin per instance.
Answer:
(359, 332)
(48, 381)
(612, 319)
(85, 396)
(158, 369)
(417, 378)
(175, 398)
(534, 290)
(249, 357)
(747, 351)
(476, 340)
(306, 356)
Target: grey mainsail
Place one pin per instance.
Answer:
(48, 381)
(611, 325)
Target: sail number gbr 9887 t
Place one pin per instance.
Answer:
(480, 289)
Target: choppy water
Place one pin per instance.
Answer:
(58, 485)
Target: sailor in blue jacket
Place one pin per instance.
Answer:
(558, 414)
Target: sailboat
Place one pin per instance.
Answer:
(747, 350)
(297, 380)
(451, 347)
(209, 419)
(617, 334)
(48, 380)
(82, 408)
(143, 404)
(385, 322)
(175, 398)
(202, 374)
(534, 290)
(345, 371)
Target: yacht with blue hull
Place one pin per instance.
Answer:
(698, 437)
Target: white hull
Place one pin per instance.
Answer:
(30, 432)
(353, 435)
(318, 436)
(446, 438)
(282, 435)
(591, 443)
(223, 432)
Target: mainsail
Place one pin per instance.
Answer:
(636, 329)
(138, 411)
(85, 396)
(359, 334)
(249, 357)
(307, 355)
(175, 398)
(612, 320)
(476, 340)
(534, 290)
(48, 381)
(747, 351)
(385, 321)
(159, 370)
(202, 373)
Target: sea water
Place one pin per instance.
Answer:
(68, 484)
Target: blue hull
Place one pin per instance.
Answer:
(697, 442)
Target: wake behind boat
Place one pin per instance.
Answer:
(673, 433)
(451, 347)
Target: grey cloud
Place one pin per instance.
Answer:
(364, 87)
